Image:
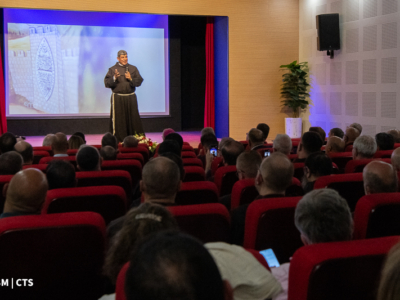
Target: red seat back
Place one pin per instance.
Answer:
(4, 179)
(197, 193)
(383, 154)
(298, 170)
(357, 165)
(62, 253)
(243, 192)
(140, 149)
(186, 147)
(72, 152)
(348, 148)
(192, 162)
(133, 155)
(194, 173)
(225, 178)
(38, 155)
(207, 222)
(349, 186)
(216, 163)
(377, 215)
(108, 201)
(41, 167)
(188, 154)
(43, 148)
(338, 270)
(270, 224)
(341, 159)
(120, 285)
(71, 159)
(132, 166)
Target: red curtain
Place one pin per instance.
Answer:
(209, 109)
(3, 121)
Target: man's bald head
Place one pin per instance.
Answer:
(256, 137)
(60, 143)
(26, 151)
(26, 192)
(334, 145)
(130, 142)
(10, 163)
(396, 159)
(379, 177)
(357, 126)
(48, 140)
(350, 135)
(276, 173)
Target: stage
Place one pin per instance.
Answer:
(192, 137)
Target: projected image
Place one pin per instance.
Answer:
(59, 69)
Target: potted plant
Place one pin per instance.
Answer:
(294, 94)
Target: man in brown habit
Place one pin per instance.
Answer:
(123, 79)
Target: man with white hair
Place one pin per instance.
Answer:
(364, 147)
(123, 79)
(282, 143)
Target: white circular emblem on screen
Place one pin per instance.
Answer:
(45, 73)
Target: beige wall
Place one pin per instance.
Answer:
(263, 34)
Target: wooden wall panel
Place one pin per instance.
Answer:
(263, 34)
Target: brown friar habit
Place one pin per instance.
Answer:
(124, 119)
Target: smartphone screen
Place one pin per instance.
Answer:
(213, 151)
(267, 153)
(270, 257)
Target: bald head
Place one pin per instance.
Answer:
(379, 177)
(396, 159)
(275, 175)
(256, 137)
(334, 145)
(26, 192)
(60, 143)
(26, 151)
(357, 126)
(350, 135)
(130, 142)
(48, 140)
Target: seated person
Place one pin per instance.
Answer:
(169, 146)
(320, 131)
(10, 163)
(321, 216)
(26, 151)
(81, 135)
(334, 145)
(88, 159)
(357, 126)
(207, 130)
(25, 194)
(7, 142)
(109, 140)
(395, 134)
(364, 147)
(384, 141)
(208, 141)
(48, 140)
(174, 266)
(130, 142)
(316, 165)
(274, 176)
(350, 136)
(282, 143)
(396, 159)
(75, 142)
(336, 132)
(60, 174)
(108, 153)
(165, 132)
(256, 139)
(379, 177)
(265, 130)
(389, 289)
(175, 137)
(60, 145)
(310, 143)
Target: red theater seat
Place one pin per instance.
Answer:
(243, 192)
(62, 253)
(349, 186)
(97, 146)
(72, 152)
(192, 162)
(377, 215)
(197, 193)
(120, 285)
(188, 154)
(357, 166)
(136, 156)
(225, 177)
(71, 159)
(41, 167)
(4, 179)
(194, 173)
(43, 148)
(142, 150)
(349, 148)
(396, 145)
(338, 270)
(134, 167)
(108, 201)
(341, 159)
(216, 163)
(207, 222)
(298, 170)
(38, 155)
(383, 154)
(186, 147)
(270, 224)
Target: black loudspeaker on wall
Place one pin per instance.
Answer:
(328, 33)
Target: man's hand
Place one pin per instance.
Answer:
(209, 160)
(116, 74)
(128, 76)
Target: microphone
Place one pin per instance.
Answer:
(127, 69)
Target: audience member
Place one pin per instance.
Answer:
(25, 194)
(310, 143)
(336, 132)
(389, 287)
(396, 159)
(10, 163)
(396, 135)
(75, 142)
(139, 222)
(166, 131)
(60, 145)
(230, 152)
(108, 153)
(364, 147)
(265, 130)
(176, 159)
(282, 143)
(60, 174)
(379, 177)
(130, 142)
(207, 130)
(48, 140)
(256, 139)
(26, 151)
(357, 126)
(315, 166)
(320, 131)
(384, 141)
(174, 266)
(81, 135)
(274, 176)
(208, 141)
(175, 137)
(88, 159)
(334, 145)
(7, 142)
(109, 140)
(169, 146)
(321, 216)
(350, 136)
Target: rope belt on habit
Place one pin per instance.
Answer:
(113, 108)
